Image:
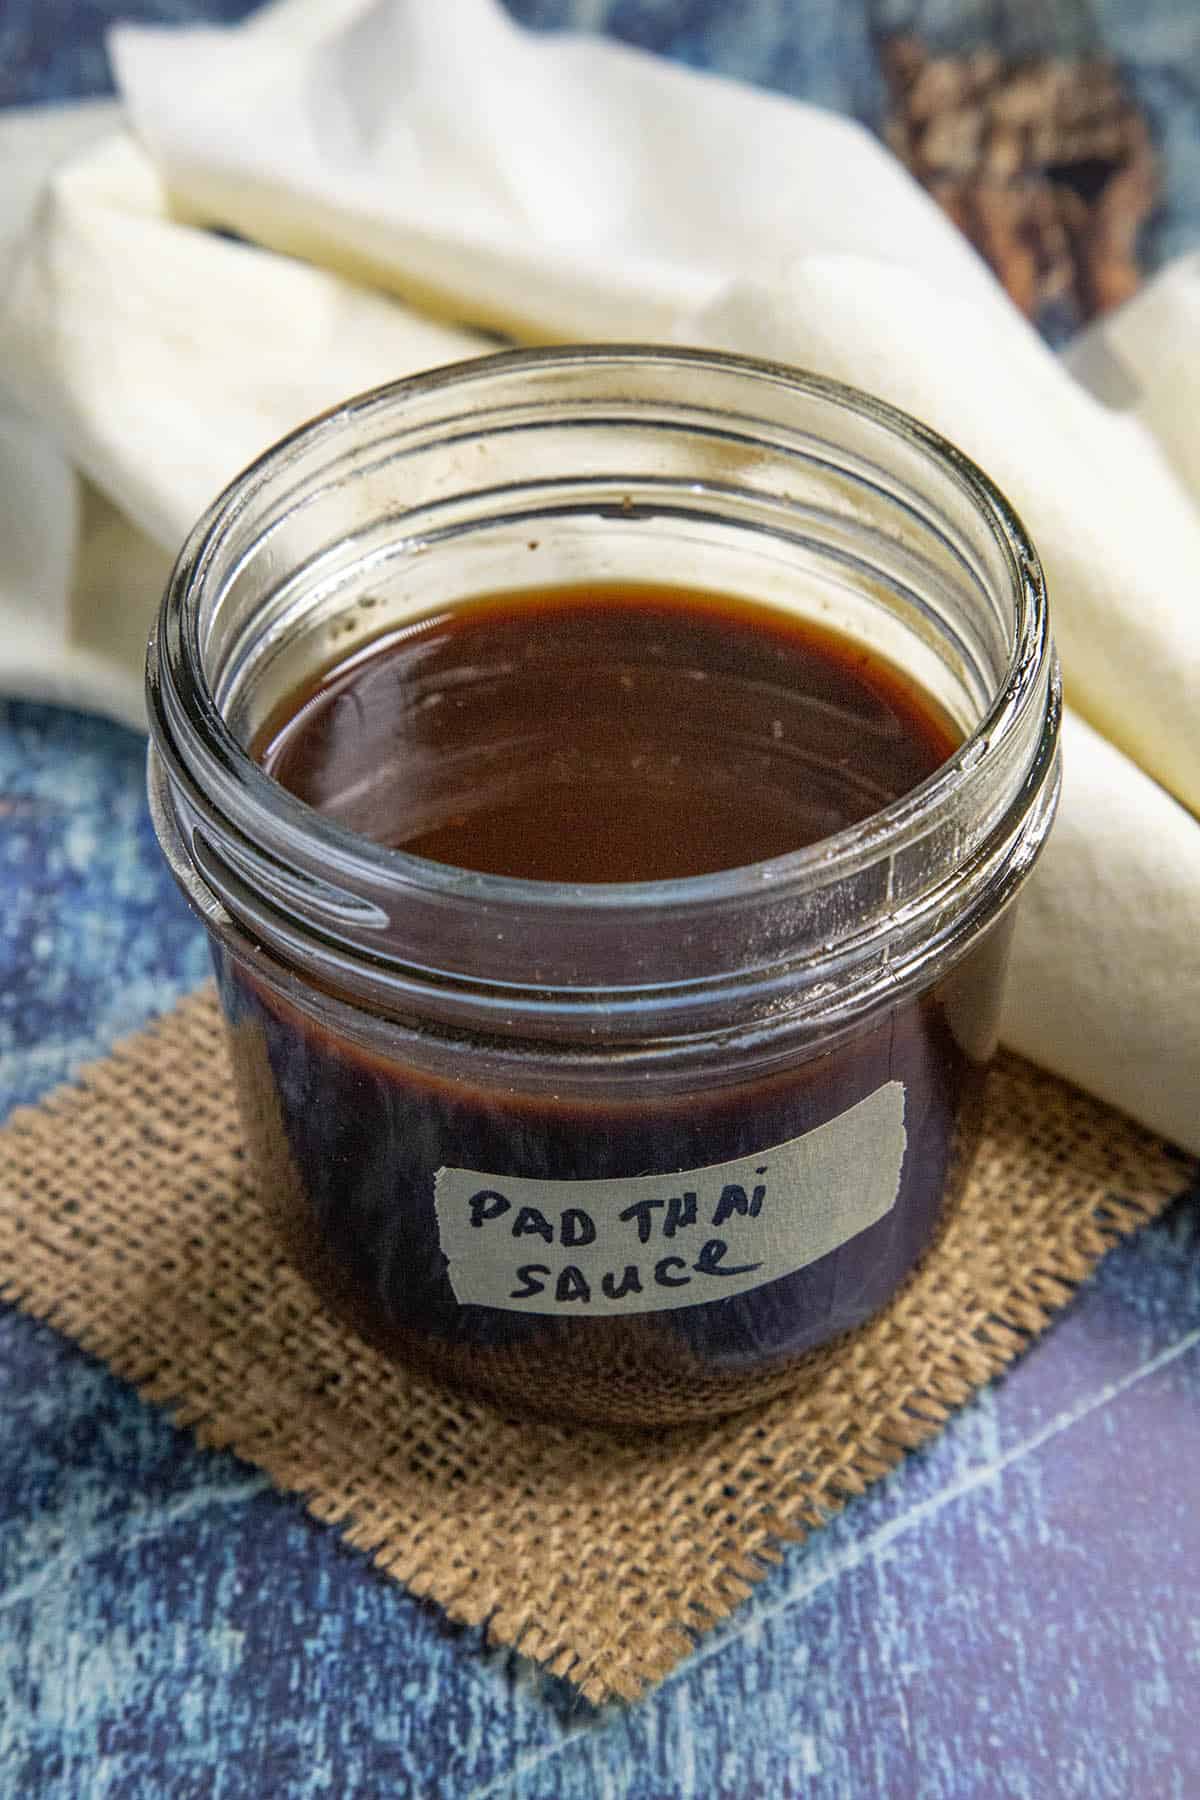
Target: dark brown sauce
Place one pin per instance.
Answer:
(618, 734)
(615, 733)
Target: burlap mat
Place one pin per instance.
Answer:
(128, 1221)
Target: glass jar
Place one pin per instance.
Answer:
(621, 1152)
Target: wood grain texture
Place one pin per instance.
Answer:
(1011, 1613)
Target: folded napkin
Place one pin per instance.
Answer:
(408, 177)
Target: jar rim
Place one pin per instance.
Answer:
(201, 754)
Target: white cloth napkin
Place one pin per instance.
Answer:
(563, 187)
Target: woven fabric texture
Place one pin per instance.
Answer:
(128, 1219)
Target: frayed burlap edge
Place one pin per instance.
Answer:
(128, 1221)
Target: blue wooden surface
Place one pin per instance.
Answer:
(1015, 1612)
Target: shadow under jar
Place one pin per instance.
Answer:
(624, 1151)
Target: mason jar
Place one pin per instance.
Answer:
(625, 1152)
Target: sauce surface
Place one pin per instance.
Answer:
(607, 733)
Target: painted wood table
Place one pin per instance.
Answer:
(1014, 1612)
